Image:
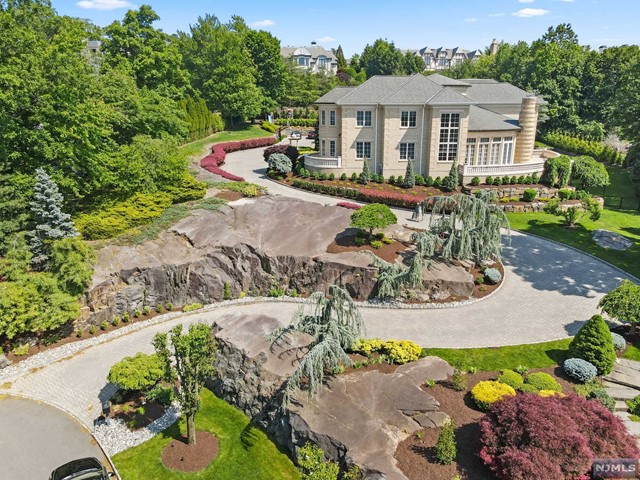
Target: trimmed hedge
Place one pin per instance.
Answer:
(597, 150)
(349, 205)
(213, 161)
(579, 369)
(511, 378)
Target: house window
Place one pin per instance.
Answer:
(363, 150)
(407, 151)
(449, 130)
(322, 61)
(323, 150)
(483, 151)
(408, 119)
(323, 118)
(363, 118)
(507, 151)
(495, 150)
(332, 148)
(332, 118)
(471, 151)
(303, 61)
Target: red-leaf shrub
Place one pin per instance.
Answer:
(528, 436)
(389, 198)
(219, 152)
(288, 150)
(349, 205)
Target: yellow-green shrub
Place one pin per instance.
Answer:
(488, 392)
(367, 347)
(550, 393)
(111, 221)
(401, 351)
(191, 307)
(188, 189)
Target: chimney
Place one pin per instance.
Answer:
(528, 120)
(493, 49)
(313, 43)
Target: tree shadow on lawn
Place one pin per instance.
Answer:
(552, 267)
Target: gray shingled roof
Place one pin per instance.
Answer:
(314, 51)
(416, 89)
(481, 120)
(446, 81)
(497, 93)
(335, 95)
(374, 90)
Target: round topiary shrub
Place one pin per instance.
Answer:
(280, 163)
(579, 369)
(488, 392)
(140, 372)
(594, 343)
(543, 381)
(619, 343)
(493, 275)
(401, 351)
(528, 436)
(526, 388)
(511, 378)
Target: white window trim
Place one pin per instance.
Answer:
(364, 119)
(335, 118)
(459, 135)
(405, 160)
(415, 120)
(335, 147)
(323, 118)
(364, 157)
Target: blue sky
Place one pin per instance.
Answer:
(414, 24)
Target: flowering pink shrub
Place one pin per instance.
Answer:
(389, 198)
(528, 436)
(349, 205)
(213, 161)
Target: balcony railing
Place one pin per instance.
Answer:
(315, 160)
(502, 170)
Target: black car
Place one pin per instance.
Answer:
(312, 134)
(83, 469)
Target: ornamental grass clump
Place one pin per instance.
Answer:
(534, 437)
(488, 392)
(579, 369)
(594, 343)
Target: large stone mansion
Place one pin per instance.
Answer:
(488, 128)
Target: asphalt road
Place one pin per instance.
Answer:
(36, 438)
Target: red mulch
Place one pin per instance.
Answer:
(133, 417)
(486, 289)
(229, 195)
(347, 243)
(178, 455)
(416, 455)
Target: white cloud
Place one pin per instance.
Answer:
(325, 39)
(496, 14)
(104, 4)
(471, 20)
(530, 12)
(263, 23)
(526, 1)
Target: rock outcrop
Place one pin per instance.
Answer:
(358, 418)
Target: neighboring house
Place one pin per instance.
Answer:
(486, 127)
(314, 58)
(93, 46)
(445, 58)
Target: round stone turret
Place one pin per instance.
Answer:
(527, 137)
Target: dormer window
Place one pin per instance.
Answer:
(322, 61)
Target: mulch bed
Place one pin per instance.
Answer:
(485, 289)
(416, 455)
(347, 243)
(229, 195)
(179, 455)
(136, 411)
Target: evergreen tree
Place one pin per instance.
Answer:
(410, 176)
(342, 61)
(446, 449)
(51, 223)
(14, 206)
(452, 180)
(365, 176)
(594, 343)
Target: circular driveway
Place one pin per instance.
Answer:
(36, 438)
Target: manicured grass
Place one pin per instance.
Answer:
(632, 353)
(244, 451)
(198, 148)
(537, 355)
(625, 222)
(621, 186)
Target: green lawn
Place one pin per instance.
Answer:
(624, 222)
(197, 148)
(537, 355)
(621, 186)
(244, 452)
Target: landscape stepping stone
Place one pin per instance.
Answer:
(611, 240)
